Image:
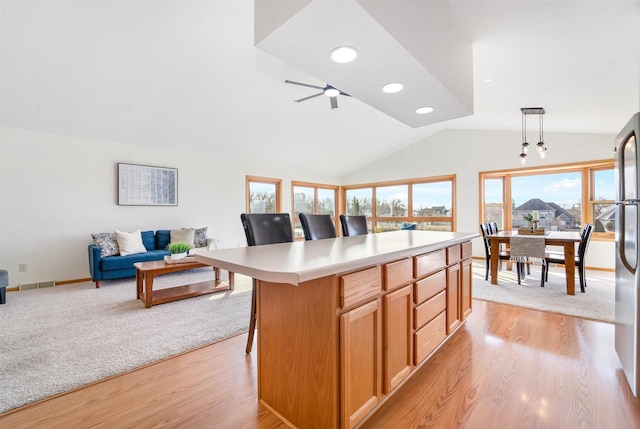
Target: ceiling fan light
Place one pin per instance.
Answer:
(392, 87)
(343, 54)
(424, 110)
(331, 92)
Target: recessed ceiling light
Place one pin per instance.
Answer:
(392, 88)
(424, 110)
(343, 54)
(331, 92)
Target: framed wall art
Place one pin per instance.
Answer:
(144, 185)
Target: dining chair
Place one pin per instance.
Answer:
(493, 227)
(503, 255)
(353, 225)
(260, 229)
(525, 250)
(317, 226)
(558, 257)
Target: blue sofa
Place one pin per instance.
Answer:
(4, 282)
(116, 267)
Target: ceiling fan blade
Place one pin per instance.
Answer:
(344, 93)
(311, 96)
(304, 84)
(334, 102)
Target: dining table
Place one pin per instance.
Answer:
(566, 239)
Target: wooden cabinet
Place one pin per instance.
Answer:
(398, 337)
(429, 263)
(397, 274)
(453, 302)
(430, 336)
(466, 275)
(459, 279)
(343, 323)
(431, 285)
(360, 362)
(359, 286)
(333, 348)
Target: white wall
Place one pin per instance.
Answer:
(466, 153)
(58, 190)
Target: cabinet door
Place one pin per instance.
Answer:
(453, 303)
(465, 288)
(398, 336)
(360, 362)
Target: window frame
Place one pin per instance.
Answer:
(295, 219)
(267, 180)
(374, 218)
(586, 170)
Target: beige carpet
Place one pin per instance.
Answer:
(597, 303)
(56, 339)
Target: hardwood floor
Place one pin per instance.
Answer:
(507, 367)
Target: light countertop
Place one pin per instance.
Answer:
(307, 260)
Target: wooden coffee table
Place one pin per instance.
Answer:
(146, 271)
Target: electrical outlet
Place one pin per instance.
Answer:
(22, 267)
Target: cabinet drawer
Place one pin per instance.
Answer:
(429, 262)
(453, 254)
(430, 286)
(425, 312)
(399, 273)
(466, 250)
(428, 338)
(359, 286)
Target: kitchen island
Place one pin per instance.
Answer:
(344, 322)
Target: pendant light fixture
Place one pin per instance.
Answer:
(542, 149)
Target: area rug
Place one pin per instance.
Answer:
(597, 303)
(59, 338)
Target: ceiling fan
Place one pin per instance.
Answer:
(328, 90)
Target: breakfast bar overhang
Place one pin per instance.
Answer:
(344, 322)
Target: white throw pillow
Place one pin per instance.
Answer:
(184, 235)
(130, 242)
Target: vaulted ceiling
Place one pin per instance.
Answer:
(188, 74)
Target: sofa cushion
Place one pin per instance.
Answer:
(130, 242)
(163, 238)
(107, 243)
(111, 263)
(200, 237)
(184, 235)
(149, 240)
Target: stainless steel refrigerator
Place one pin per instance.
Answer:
(627, 180)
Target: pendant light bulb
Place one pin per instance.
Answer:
(540, 146)
(542, 149)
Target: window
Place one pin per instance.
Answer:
(565, 197)
(263, 195)
(359, 202)
(312, 198)
(601, 201)
(429, 202)
(494, 201)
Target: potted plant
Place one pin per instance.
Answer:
(529, 218)
(178, 250)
